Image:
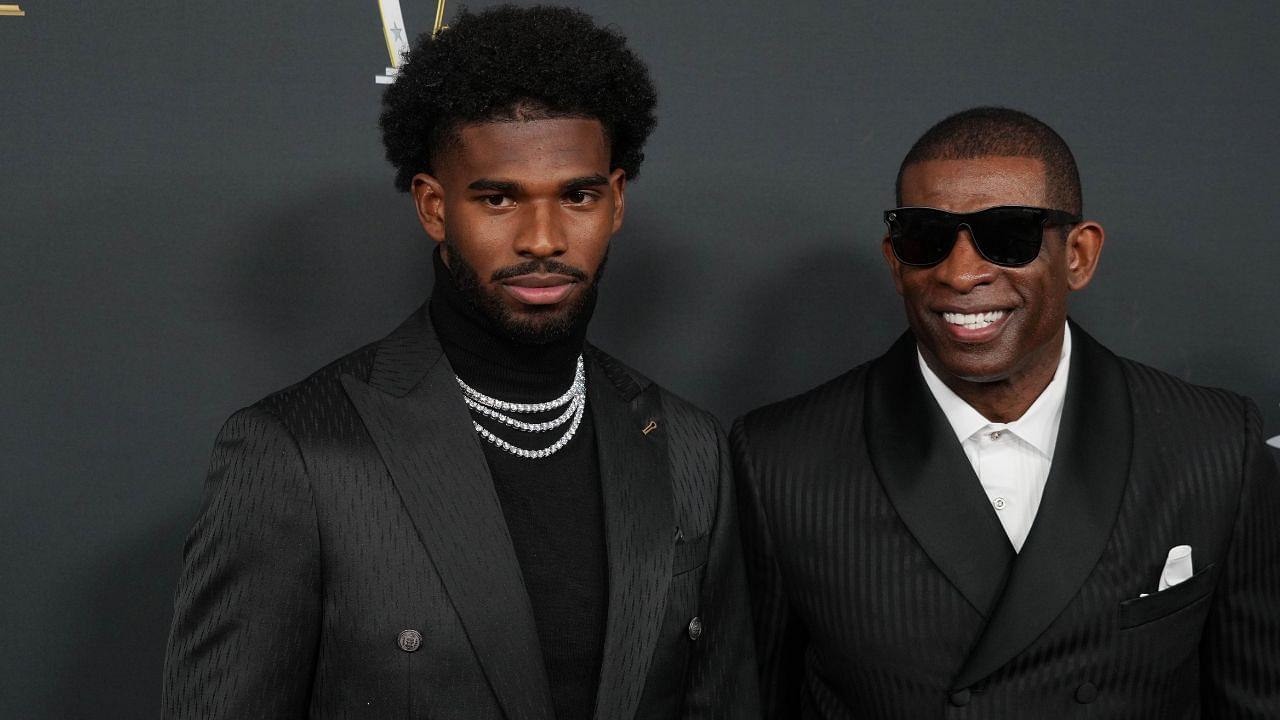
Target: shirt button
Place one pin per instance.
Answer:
(409, 640)
(995, 434)
(999, 503)
(695, 628)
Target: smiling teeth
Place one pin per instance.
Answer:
(973, 321)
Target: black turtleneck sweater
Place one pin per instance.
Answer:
(552, 505)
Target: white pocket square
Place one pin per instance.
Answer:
(1177, 568)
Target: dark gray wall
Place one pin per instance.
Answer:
(194, 211)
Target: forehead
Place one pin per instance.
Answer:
(529, 148)
(975, 183)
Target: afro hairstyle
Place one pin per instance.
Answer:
(510, 63)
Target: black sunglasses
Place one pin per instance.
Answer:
(1006, 235)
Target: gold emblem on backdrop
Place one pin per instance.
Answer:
(15, 11)
(393, 31)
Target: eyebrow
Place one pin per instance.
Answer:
(512, 187)
(585, 181)
(499, 185)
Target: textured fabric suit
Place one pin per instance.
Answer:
(357, 504)
(884, 586)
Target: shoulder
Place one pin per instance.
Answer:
(630, 383)
(1157, 398)
(314, 409)
(1163, 400)
(321, 391)
(839, 400)
(1159, 393)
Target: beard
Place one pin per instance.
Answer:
(538, 325)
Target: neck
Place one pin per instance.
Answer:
(1006, 399)
(491, 361)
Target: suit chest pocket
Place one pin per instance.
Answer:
(689, 555)
(1169, 602)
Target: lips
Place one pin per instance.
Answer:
(538, 288)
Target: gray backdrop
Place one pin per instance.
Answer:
(194, 212)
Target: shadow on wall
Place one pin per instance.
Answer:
(643, 295)
(817, 315)
(119, 623)
(731, 333)
(324, 274)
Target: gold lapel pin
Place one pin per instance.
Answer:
(653, 425)
(11, 11)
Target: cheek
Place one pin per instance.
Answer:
(912, 287)
(590, 234)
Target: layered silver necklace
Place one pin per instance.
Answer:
(574, 402)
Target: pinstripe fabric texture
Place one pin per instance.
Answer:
(357, 504)
(881, 590)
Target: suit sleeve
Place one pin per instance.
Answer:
(1240, 652)
(246, 615)
(780, 637)
(722, 678)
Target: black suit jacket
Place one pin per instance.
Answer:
(356, 505)
(885, 587)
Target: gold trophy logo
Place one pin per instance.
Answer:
(396, 36)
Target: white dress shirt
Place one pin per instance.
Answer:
(1011, 460)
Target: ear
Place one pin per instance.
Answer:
(618, 186)
(1084, 248)
(428, 198)
(895, 267)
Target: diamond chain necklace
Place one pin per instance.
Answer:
(575, 398)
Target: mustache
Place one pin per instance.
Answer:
(549, 266)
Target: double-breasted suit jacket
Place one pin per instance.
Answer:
(885, 587)
(351, 558)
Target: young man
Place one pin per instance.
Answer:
(481, 515)
(999, 518)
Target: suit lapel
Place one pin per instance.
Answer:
(929, 480)
(1081, 501)
(639, 524)
(414, 412)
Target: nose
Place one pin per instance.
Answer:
(542, 234)
(964, 268)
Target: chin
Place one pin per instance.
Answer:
(537, 327)
(982, 366)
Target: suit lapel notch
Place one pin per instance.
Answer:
(1081, 501)
(636, 486)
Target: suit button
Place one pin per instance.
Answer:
(1086, 693)
(409, 640)
(960, 698)
(695, 628)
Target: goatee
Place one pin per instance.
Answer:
(538, 326)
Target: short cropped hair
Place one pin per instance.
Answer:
(509, 63)
(987, 131)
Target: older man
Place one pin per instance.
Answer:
(998, 517)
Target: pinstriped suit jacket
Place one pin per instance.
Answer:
(357, 504)
(884, 587)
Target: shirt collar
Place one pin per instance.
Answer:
(1038, 426)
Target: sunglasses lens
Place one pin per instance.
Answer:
(921, 236)
(1009, 235)
(1006, 235)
